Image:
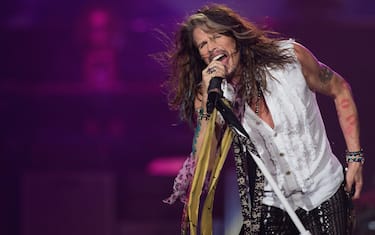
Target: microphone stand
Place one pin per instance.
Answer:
(236, 125)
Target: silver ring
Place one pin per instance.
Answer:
(211, 70)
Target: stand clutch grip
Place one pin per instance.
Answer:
(214, 93)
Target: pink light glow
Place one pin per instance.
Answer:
(99, 18)
(165, 166)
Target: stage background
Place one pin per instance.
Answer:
(87, 142)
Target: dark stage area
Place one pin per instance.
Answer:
(84, 120)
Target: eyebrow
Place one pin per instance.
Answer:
(197, 43)
(200, 43)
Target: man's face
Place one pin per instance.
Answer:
(215, 46)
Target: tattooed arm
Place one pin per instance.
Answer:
(200, 130)
(322, 79)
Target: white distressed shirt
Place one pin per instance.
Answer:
(297, 150)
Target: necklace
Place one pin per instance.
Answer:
(259, 96)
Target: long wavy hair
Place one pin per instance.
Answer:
(259, 51)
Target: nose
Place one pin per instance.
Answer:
(211, 46)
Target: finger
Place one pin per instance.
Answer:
(217, 64)
(215, 71)
(348, 183)
(358, 188)
(211, 70)
(222, 68)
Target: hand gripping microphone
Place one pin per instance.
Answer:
(214, 89)
(214, 93)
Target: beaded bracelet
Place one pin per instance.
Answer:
(356, 156)
(203, 115)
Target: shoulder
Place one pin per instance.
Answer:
(286, 43)
(293, 48)
(309, 63)
(318, 76)
(305, 56)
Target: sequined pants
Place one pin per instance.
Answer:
(331, 217)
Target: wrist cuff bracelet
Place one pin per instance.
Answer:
(356, 156)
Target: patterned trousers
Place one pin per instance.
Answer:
(332, 217)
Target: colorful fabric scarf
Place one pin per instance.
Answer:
(244, 168)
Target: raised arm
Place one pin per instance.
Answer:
(200, 129)
(322, 79)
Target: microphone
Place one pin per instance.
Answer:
(214, 89)
(214, 93)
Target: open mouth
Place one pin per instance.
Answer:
(219, 57)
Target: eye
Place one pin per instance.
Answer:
(217, 36)
(201, 45)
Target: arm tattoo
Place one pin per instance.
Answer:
(351, 122)
(345, 104)
(196, 134)
(325, 73)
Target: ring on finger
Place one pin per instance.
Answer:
(211, 70)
